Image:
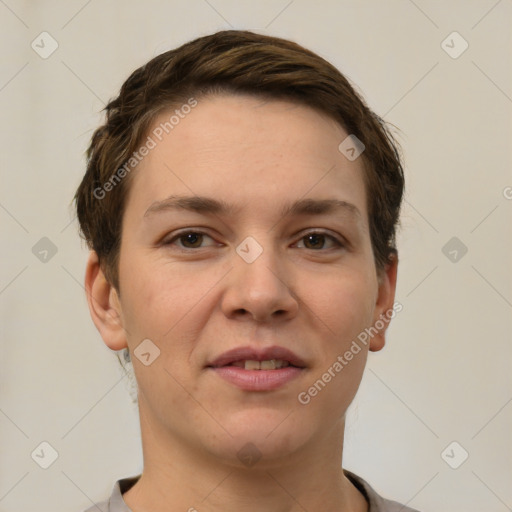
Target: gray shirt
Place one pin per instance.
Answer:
(375, 502)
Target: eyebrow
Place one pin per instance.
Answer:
(208, 205)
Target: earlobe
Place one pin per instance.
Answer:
(384, 307)
(104, 305)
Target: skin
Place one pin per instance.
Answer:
(311, 296)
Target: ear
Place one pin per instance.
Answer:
(104, 305)
(384, 309)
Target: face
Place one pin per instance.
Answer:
(246, 238)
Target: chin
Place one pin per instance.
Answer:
(260, 437)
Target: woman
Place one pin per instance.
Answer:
(240, 204)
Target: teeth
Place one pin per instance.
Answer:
(268, 365)
(272, 364)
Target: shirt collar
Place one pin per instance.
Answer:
(375, 502)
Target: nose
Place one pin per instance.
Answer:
(259, 290)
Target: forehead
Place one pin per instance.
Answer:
(247, 150)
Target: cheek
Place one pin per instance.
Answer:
(162, 304)
(343, 303)
(155, 295)
(168, 304)
(342, 310)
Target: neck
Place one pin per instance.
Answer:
(178, 476)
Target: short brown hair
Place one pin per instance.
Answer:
(232, 61)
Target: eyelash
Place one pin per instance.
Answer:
(181, 234)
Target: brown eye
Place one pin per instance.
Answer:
(318, 240)
(189, 240)
(314, 241)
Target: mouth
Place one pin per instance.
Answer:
(258, 369)
(269, 358)
(269, 364)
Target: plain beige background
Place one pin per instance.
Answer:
(445, 373)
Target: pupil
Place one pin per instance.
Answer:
(192, 238)
(315, 239)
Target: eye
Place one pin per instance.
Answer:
(189, 240)
(316, 240)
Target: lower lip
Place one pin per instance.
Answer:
(257, 380)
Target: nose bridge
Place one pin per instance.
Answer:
(258, 284)
(259, 264)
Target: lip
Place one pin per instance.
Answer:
(257, 354)
(257, 380)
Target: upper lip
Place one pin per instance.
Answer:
(257, 354)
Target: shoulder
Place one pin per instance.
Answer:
(102, 506)
(115, 503)
(376, 502)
